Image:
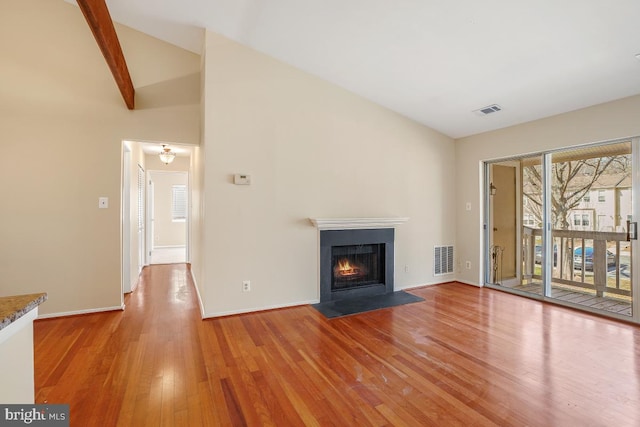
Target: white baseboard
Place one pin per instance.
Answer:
(258, 309)
(466, 282)
(421, 285)
(75, 313)
(195, 285)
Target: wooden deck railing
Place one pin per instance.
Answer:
(605, 263)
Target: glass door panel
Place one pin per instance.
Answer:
(514, 237)
(533, 255)
(590, 202)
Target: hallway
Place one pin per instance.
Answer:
(134, 367)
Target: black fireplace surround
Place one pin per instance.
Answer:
(356, 263)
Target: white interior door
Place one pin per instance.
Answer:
(141, 219)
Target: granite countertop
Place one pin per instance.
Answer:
(14, 307)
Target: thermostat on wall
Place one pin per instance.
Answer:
(241, 179)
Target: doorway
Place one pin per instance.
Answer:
(138, 158)
(167, 204)
(557, 226)
(504, 222)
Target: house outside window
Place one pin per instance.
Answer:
(601, 196)
(529, 220)
(582, 220)
(586, 198)
(577, 220)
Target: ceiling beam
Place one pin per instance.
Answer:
(99, 20)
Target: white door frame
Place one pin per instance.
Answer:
(635, 210)
(149, 219)
(126, 218)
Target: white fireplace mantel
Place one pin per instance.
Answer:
(356, 223)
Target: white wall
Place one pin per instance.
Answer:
(196, 223)
(613, 120)
(16, 360)
(313, 150)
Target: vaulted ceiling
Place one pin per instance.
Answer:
(434, 61)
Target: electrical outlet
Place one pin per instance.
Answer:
(468, 265)
(406, 268)
(246, 285)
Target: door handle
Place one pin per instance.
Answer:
(632, 230)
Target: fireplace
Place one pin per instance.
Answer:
(355, 263)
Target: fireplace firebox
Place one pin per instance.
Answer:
(355, 263)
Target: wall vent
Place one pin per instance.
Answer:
(443, 260)
(489, 109)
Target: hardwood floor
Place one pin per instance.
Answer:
(464, 356)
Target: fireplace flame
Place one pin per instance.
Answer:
(345, 269)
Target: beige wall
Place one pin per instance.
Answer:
(62, 123)
(313, 150)
(613, 120)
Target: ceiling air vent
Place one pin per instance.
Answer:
(489, 109)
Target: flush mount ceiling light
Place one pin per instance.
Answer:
(166, 156)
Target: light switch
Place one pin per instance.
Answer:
(103, 202)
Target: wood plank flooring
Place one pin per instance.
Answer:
(464, 356)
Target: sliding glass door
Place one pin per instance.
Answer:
(557, 226)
